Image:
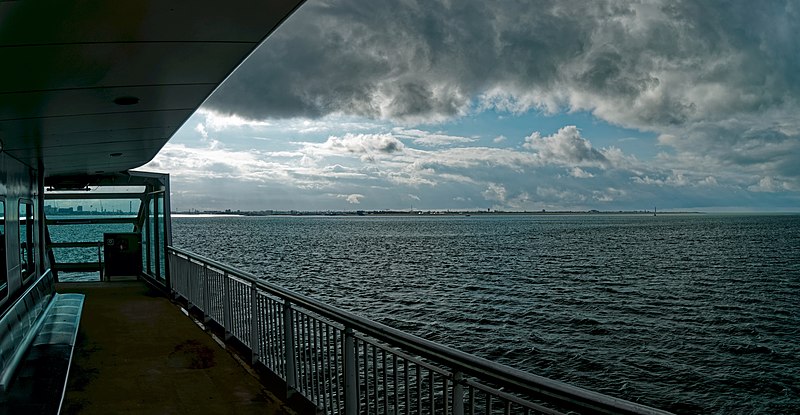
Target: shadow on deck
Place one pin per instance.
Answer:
(137, 353)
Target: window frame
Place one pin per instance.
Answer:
(3, 252)
(27, 248)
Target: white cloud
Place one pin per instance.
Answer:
(579, 173)
(426, 138)
(709, 181)
(200, 128)
(499, 139)
(769, 185)
(495, 192)
(566, 146)
(216, 121)
(353, 198)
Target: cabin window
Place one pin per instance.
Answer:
(26, 248)
(3, 264)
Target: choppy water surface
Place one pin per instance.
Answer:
(693, 314)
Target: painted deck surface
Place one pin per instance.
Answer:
(137, 353)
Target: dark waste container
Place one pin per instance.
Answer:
(123, 254)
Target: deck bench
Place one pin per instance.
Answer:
(38, 338)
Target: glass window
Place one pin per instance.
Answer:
(3, 265)
(26, 247)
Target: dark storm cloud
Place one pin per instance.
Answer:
(401, 60)
(640, 64)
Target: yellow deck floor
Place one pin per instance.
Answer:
(137, 353)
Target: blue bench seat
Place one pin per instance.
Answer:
(39, 332)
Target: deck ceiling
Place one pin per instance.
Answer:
(66, 68)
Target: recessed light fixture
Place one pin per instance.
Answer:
(126, 100)
(115, 154)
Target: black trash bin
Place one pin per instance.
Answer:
(123, 254)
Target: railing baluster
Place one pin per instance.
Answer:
(337, 388)
(366, 378)
(255, 336)
(458, 394)
(375, 378)
(315, 359)
(303, 366)
(431, 391)
(328, 371)
(396, 383)
(418, 371)
(471, 400)
(278, 344)
(206, 304)
(310, 361)
(385, 384)
(321, 364)
(445, 395)
(288, 341)
(407, 387)
(226, 305)
(350, 373)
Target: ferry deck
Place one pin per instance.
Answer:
(92, 91)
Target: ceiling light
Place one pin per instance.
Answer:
(127, 100)
(115, 154)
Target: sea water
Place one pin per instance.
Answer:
(689, 313)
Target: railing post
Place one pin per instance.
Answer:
(255, 338)
(226, 305)
(206, 310)
(183, 280)
(458, 393)
(350, 373)
(100, 264)
(288, 337)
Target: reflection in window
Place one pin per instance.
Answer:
(3, 265)
(26, 263)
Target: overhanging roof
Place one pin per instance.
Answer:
(68, 69)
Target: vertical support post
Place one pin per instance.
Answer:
(458, 393)
(226, 305)
(167, 223)
(288, 337)
(255, 337)
(183, 284)
(350, 373)
(40, 223)
(100, 263)
(147, 236)
(156, 240)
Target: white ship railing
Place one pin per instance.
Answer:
(346, 364)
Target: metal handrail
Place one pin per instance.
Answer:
(509, 378)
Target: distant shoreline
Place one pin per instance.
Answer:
(427, 213)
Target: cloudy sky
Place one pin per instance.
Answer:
(512, 105)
